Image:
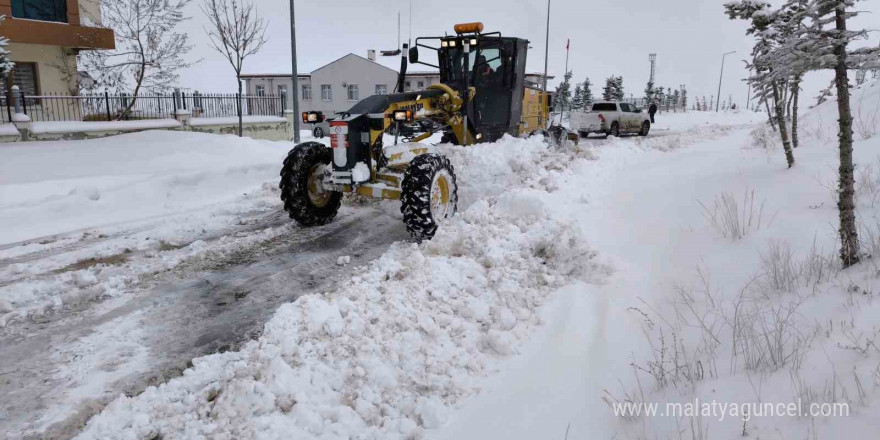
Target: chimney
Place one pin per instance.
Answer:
(371, 55)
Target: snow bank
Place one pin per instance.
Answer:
(55, 187)
(390, 353)
(769, 317)
(41, 127)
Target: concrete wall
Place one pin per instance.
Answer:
(279, 129)
(270, 131)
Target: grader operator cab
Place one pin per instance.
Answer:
(482, 96)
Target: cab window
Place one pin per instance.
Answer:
(604, 107)
(487, 68)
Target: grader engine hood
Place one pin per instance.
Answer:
(353, 135)
(380, 104)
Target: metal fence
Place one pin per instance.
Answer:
(107, 107)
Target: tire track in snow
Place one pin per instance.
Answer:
(61, 373)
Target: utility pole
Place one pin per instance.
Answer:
(720, 77)
(562, 110)
(410, 23)
(546, 60)
(294, 93)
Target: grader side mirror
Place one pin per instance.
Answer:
(414, 54)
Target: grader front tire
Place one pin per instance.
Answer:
(429, 195)
(303, 199)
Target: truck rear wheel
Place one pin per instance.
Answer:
(429, 195)
(304, 198)
(614, 131)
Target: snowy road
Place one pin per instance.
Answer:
(58, 372)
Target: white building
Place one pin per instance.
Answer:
(338, 85)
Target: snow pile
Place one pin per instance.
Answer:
(55, 187)
(767, 317)
(493, 169)
(820, 124)
(388, 354)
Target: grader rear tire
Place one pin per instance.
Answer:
(303, 198)
(429, 195)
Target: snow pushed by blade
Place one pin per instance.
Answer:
(390, 353)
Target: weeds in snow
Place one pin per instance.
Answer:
(732, 221)
(868, 181)
(866, 119)
(781, 271)
(766, 335)
(765, 139)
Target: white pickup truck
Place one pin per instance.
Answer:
(611, 118)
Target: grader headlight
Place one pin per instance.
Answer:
(403, 115)
(313, 117)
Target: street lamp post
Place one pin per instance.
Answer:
(720, 77)
(294, 92)
(546, 60)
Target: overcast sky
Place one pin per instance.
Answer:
(608, 37)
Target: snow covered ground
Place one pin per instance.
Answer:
(571, 280)
(689, 314)
(394, 352)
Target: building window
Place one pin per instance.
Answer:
(307, 92)
(261, 91)
(24, 75)
(44, 10)
(282, 92)
(408, 86)
(326, 93)
(353, 92)
(421, 85)
(381, 89)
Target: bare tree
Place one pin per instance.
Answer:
(237, 32)
(148, 52)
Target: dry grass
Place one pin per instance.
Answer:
(732, 219)
(867, 118)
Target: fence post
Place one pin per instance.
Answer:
(174, 99)
(22, 102)
(16, 102)
(107, 104)
(238, 109)
(8, 105)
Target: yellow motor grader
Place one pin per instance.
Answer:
(482, 96)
